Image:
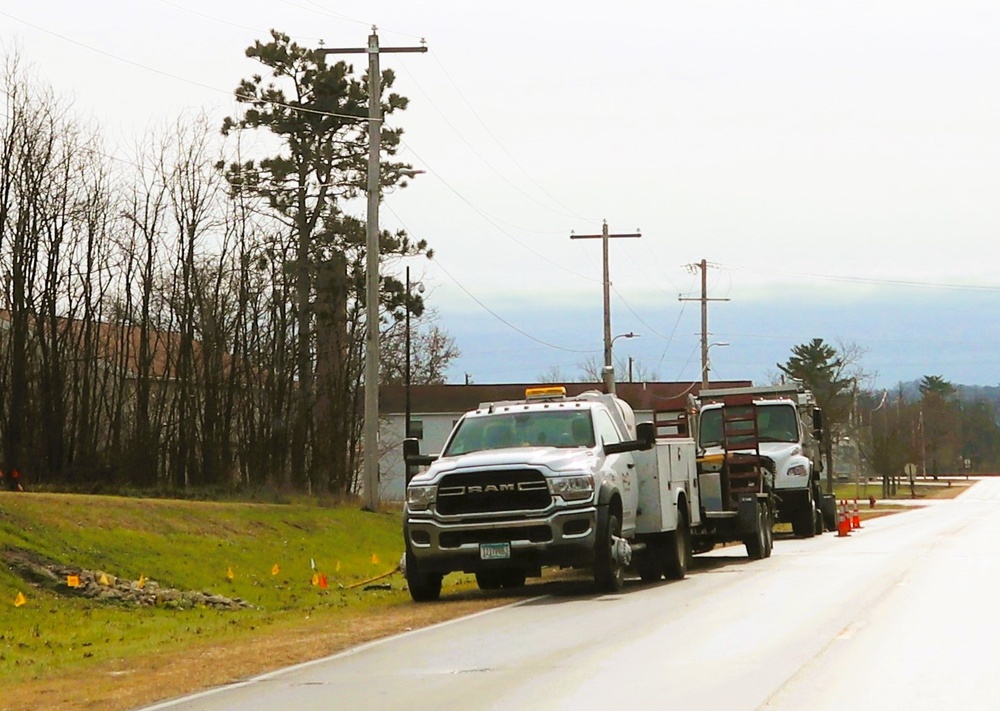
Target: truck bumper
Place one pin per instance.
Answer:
(565, 538)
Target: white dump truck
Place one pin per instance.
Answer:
(782, 425)
(552, 480)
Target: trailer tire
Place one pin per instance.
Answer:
(677, 552)
(609, 572)
(424, 587)
(768, 532)
(756, 542)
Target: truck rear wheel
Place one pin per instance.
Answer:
(677, 552)
(424, 587)
(609, 571)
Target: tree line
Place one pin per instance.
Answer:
(880, 432)
(194, 316)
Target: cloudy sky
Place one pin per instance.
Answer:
(836, 163)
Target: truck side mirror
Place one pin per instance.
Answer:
(645, 432)
(412, 455)
(817, 423)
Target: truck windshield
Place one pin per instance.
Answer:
(536, 428)
(775, 423)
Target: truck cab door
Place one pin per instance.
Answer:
(619, 470)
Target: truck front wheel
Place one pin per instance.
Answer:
(424, 587)
(609, 570)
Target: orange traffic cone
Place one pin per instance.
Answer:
(856, 518)
(843, 522)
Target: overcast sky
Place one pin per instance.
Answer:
(837, 162)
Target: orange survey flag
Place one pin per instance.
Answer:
(20, 600)
(315, 579)
(275, 569)
(374, 559)
(322, 581)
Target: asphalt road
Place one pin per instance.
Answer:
(900, 615)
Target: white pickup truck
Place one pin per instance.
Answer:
(550, 480)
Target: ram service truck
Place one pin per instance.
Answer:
(783, 429)
(549, 480)
(552, 480)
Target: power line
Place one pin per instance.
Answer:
(570, 212)
(248, 98)
(866, 280)
(486, 308)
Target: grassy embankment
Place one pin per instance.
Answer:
(75, 652)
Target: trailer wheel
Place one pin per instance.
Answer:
(756, 542)
(609, 571)
(424, 587)
(677, 552)
(768, 532)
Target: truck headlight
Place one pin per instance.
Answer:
(797, 470)
(572, 488)
(420, 497)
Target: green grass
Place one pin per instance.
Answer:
(922, 489)
(190, 546)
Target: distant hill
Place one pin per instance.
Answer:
(966, 393)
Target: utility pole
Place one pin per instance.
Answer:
(605, 237)
(703, 265)
(371, 453)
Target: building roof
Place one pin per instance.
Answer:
(442, 399)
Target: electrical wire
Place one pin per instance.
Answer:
(245, 97)
(486, 308)
(867, 280)
(568, 212)
(219, 20)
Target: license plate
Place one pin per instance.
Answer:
(494, 551)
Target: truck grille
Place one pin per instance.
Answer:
(493, 492)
